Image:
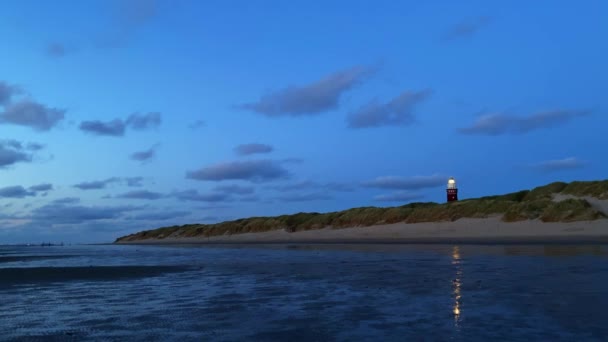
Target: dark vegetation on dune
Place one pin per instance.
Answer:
(532, 204)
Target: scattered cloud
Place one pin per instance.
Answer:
(210, 219)
(66, 200)
(234, 189)
(292, 160)
(34, 146)
(403, 183)
(396, 112)
(194, 195)
(31, 114)
(137, 12)
(129, 17)
(310, 185)
(295, 186)
(160, 215)
(114, 128)
(197, 124)
(7, 91)
(498, 124)
(339, 187)
(305, 197)
(466, 28)
(55, 213)
(214, 207)
(315, 98)
(247, 149)
(41, 187)
(95, 185)
(56, 50)
(398, 196)
(134, 181)
(102, 184)
(251, 170)
(141, 194)
(16, 191)
(252, 198)
(117, 127)
(145, 156)
(11, 152)
(140, 122)
(559, 164)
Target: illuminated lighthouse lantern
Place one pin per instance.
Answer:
(452, 190)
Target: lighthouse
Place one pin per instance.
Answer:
(452, 190)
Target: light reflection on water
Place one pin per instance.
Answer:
(457, 282)
(307, 292)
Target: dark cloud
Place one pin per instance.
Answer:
(95, 185)
(7, 91)
(397, 112)
(114, 128)
(305, 197)
(67, 200)
(11, 152)
(16, 191)
(31, 114)
(466, 28)
(144, 156)
(311, 99)
(141, 194)
(41, 187)
(252, 170)
(194, 195)
(402, 183)
(73, 214)
(56, 50)
(247, 149)
(498, 124)
(398, 196)
(197, 124)
(234, 189)
(559, 164)
(160, 215)
(134, 181)
(142, 122)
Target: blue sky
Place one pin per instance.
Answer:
(119, 116)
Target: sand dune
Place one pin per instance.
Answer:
(464, 230)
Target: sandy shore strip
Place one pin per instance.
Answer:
(487, 230)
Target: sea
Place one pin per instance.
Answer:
(291, 292)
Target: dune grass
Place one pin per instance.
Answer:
(532, 204)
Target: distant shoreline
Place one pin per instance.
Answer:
(463, 231)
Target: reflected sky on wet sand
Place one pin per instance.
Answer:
(305, 292)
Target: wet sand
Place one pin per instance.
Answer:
(486, 230)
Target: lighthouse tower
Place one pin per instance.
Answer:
(452, 190)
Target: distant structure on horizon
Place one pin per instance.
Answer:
(452, 190)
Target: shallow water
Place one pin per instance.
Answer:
(304, 293)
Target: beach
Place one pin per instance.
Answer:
(304, 292)
(485, 230)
